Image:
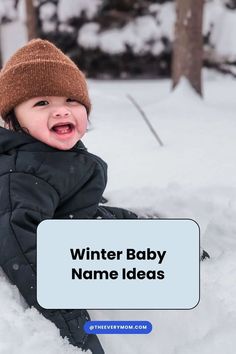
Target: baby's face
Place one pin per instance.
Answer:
(59, 122)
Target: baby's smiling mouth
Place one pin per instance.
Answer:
(63, 128)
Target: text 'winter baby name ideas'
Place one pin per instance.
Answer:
(118, 264)
(129, 254)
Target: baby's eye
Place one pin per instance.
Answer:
(41, 103)
(72, 100)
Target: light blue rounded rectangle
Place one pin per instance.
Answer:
(118, 264)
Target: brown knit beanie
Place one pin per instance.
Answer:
(40, 69)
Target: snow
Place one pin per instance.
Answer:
(88, 35)
(221, 22)
(21, 11)
(14, 30)
(49, 26)
(166, 18)
(24, 330)
(47, 11)
(192, 175)
(71, 8)
(223, 36)
(7, 9)
(143, 34)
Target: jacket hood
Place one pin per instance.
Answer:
(10, 140)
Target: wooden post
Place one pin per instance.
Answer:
(31, 23)
(188, 43)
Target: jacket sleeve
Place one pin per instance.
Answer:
(107, 212)
(27, 201)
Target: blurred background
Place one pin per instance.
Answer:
(120, 38)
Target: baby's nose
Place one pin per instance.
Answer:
(61, 112)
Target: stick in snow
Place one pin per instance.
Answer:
(145, 119)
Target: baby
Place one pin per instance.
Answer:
(45, 170)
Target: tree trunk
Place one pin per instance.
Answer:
(188, 43)
(31, 23)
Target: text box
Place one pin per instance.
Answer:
(118, 264)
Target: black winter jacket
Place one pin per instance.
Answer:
(39, 182)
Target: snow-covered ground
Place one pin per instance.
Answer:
(192, 175)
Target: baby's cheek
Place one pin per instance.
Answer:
(83, 124)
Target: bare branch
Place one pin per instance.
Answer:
(144, 116)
